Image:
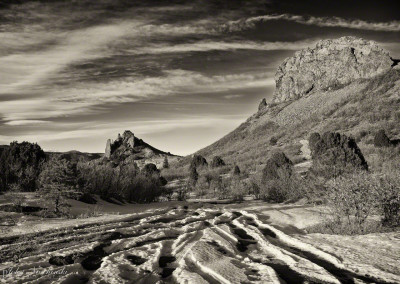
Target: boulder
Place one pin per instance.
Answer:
(198, 161)
(217, 162)
(381, 139)
(279, 166)
(334, 154)
(329, 65)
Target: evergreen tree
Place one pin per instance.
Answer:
(56, 178)
(193, 176)
(165, 163)
(236, 171)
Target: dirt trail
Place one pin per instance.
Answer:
(306, 154)
(204, 245)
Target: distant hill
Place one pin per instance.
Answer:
(348, 85)
(76, 156)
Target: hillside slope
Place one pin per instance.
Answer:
(359, 108)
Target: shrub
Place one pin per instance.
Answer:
(279, 182)
(273, 141)
(354, 198)
(143, 189)
(173, 173)
(389, 194)
(123, 180)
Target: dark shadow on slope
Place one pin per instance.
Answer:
(136, 260)
(344, 276)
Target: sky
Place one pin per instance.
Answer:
(178, 74)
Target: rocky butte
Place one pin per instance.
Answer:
(330, 65)
(128, 148)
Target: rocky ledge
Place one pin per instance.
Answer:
(331, 64)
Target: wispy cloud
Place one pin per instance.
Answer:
(82, 99)
(243, 24)
(26, 122)
(204, 46)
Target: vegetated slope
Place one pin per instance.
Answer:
(359, 109)
(76, 156)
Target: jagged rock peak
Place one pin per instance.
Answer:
(330, 64)
(263, 105)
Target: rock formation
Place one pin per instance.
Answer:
(198, 161)
(277, 167)
(263, 105)
(331, 64)
(108, 149)
(127, 147)
(381, 139)
(217, 162)
(334, 154)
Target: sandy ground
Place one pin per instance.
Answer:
(251, 242)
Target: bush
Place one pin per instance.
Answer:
(273, 141)
(123, 180)
(389, 193)
(279, 182)
(143, 189)
(354, 198)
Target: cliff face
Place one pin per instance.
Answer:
(319, 90)
(329, 65)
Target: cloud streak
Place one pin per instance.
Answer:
(204, 46)
(250, 23)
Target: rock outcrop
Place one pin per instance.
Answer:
(381, 139)
(108, 149)
(263, 105)
(331, 64)
(130, 149)
(217, 162)
(279, 166)
(334, 154)
(198, 161)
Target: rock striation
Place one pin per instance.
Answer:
(329, 65)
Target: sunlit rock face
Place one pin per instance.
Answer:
(331, 64)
